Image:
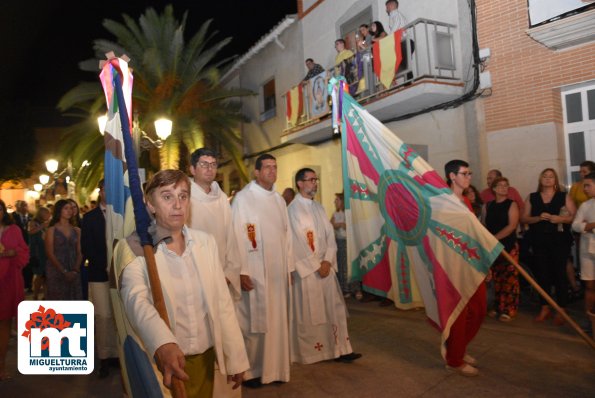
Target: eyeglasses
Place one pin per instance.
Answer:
(465, 173)
(207, 165)
(313, 179)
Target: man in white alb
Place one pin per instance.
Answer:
(319, 313)
(263, 234)
(210, 212)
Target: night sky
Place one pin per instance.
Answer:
(43, 41)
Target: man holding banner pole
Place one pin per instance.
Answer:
(467, 324)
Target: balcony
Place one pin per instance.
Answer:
(427, 76)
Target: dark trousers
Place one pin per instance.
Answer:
(550, 254)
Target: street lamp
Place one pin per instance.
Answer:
(38, 187)
(163, 128)
(44, 179)
(102, 122)
(51, 165)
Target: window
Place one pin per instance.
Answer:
(269, 102)
(559, 24)
(578, 103)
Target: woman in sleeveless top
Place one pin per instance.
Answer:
(502, 219)
(63, 250)
(549, 213)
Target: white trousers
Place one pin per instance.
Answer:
(105, 327)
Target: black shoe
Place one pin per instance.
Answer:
(348, 358)
(114, 362)
(252, 383)
(104, 368)
(385, 303)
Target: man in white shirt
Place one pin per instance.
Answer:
(199, 308)
(396, 20)
(210, 212)
(319, 313)
(584, 223)
(263, 234)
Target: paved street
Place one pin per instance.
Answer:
(401, 358)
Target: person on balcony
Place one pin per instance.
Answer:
(396, 20)
(346, 65)
(364, 40)
(342, 53)
(377, 31)
(314, 69)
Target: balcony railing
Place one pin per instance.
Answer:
(428, 53)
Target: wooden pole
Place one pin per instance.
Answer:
(177, 385)
(549, 300)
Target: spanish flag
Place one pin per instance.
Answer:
(295, 104)
(387, 57)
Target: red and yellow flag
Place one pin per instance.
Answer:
(295, 104)
(387, 57)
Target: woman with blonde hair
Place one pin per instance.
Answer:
(549, 212)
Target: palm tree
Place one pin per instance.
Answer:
(172, 77)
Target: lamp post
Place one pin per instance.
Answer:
(51, 165)
(102, 122)
(142, 141)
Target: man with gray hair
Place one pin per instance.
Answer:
(319, 312)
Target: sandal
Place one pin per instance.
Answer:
(545, 313)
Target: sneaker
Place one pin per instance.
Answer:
(505, 318)
(464, 370)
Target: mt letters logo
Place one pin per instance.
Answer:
(56, 337)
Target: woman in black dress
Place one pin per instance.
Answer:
(549, 213)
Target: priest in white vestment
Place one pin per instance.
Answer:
(210, 212)
(319, 312)
(262, 230)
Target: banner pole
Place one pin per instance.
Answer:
(549, 299)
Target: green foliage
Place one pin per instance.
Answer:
(173, 77)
